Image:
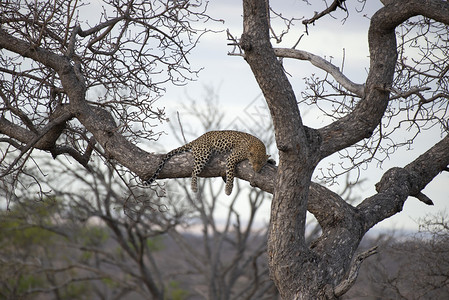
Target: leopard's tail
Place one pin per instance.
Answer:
(166, 157)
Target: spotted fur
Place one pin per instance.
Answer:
(239, 145)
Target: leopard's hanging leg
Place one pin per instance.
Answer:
(200, 160)
(234, 158)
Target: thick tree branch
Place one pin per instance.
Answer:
(45, 139)
(101, 124)
(399, 183)
(62, 60)
(25, 49)
(328, 207)
(269, 74)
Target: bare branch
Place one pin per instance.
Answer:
(400, 94)
(333, 7)
(357, 89)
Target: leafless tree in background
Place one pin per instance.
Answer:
(53, 63)
(94, 233)
(408, 267)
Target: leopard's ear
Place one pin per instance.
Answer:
(267, 156)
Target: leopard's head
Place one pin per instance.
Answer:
(257, 156)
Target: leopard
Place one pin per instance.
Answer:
(239, 145)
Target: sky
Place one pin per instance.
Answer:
(331, 38)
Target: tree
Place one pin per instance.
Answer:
(323, 270)
(36, 258)
(66, 83)
(66, 60)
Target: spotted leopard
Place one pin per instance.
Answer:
(239, 145)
